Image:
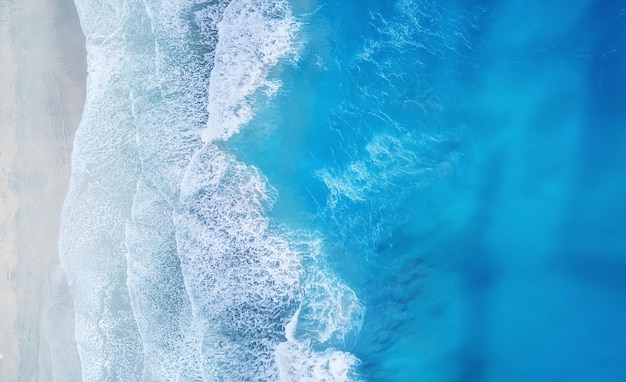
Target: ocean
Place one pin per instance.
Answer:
(313, 190)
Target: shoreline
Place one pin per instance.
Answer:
(43, 67)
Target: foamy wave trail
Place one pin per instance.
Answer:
(141, 120)
(104, 176)
(253, 36)
(242, 279)
(177, 272)
(246, 279)
(169, 108)
(266, 310)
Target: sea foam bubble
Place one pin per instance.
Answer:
(253, 36)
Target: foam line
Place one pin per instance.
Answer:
(253, 36)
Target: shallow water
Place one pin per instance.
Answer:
(356, 190)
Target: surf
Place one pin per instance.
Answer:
(176, 269)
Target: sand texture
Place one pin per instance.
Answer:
(42, 77)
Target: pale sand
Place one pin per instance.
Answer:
(42, 85)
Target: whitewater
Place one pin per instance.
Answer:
(176, 271)
(275, 190)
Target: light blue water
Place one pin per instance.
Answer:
(359, 190)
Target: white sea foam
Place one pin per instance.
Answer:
(297, 361)
(221, 313)
(328, 314)
(95, 243)
(386, 161)
(102, 21)
(169, 110)
(330, 310)
(246, 279)
(253, 36)
(105, 169)
(155, 282)
(242, 278)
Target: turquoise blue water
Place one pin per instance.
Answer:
(342, 191)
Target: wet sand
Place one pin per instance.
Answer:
(42, 77)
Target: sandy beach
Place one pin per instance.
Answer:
(42, 77)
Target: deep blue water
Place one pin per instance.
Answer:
(359, 190)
